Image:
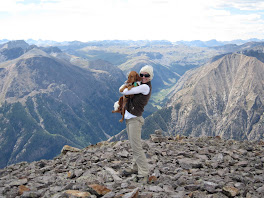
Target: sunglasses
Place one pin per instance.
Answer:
(146, 75)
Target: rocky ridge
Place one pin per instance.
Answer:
(180, 167)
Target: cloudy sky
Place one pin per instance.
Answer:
(174, 20)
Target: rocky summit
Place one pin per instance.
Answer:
(196, 167)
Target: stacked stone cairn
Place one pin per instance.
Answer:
(180, 167)
(157, 137)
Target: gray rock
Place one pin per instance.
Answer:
(261, 189)
(188, 163)
(210, 186)
(18, 182)
(190, 167)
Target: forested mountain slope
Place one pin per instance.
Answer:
(47, 103)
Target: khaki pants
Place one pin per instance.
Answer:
(139, 163)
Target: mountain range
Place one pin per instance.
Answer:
(193, 43)
(64, 94)
(223, 98)
(48, 102)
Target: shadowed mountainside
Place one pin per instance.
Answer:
(47, 102)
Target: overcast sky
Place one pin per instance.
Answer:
(173, 20)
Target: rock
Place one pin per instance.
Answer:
(230, 191)
(109, 195)
(188, 163)
(22, 189)
(261, 189)
(197, 194)
(219, 157)
(68, 148)
(31, 194)
(88, 179)
(113, 173)
(155, 189)
(18, 182)
(192, 187)
(210, 186)
(133, 194)
(99, 189)
(204, 167)
(178, 137)
(242, 163)
(124, 153)
(77, 193)
(152, 179)
(157, 137)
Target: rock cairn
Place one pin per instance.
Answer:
(204, 167)
(157, 137)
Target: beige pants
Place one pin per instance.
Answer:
(139, 163)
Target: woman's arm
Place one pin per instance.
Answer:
(144, 89)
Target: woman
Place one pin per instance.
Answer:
(134, 122)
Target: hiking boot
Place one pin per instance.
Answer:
(128, 172)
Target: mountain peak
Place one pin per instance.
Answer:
(221, 98)
(35, 52)
(15, 44)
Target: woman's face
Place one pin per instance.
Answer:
(144, 78)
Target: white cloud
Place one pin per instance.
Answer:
(244, 4)
(131, 19)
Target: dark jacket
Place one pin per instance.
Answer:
(136, 104)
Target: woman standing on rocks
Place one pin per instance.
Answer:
(135, 121)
